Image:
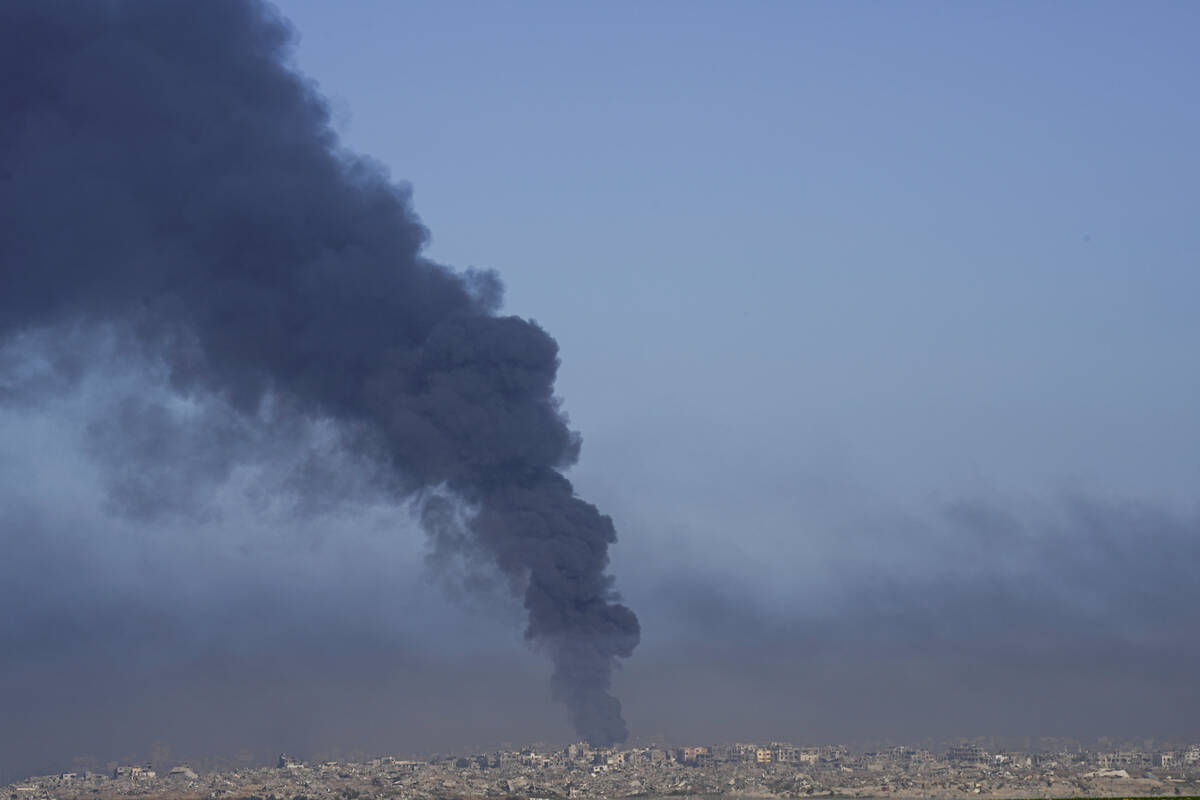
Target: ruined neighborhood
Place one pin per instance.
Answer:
(741, 770)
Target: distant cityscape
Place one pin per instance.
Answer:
(776, 769)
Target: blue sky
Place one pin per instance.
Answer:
(878, 322)
(867, 252)
(821, 273)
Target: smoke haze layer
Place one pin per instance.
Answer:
(166, 174)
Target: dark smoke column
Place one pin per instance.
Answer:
(568, 595)
(165, 173)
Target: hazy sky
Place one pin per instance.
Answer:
(879, 325)
(823, 274)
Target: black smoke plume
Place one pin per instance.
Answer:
(165, 170)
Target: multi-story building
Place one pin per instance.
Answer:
(691, 755)
(966, 754)
(784, 753)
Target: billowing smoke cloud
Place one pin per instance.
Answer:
(165, 173)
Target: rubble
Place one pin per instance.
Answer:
(774, 770)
